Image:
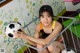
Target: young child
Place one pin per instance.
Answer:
(45, 31)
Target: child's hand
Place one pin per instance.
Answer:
(19, 34)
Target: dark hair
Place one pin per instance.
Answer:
(46, 8)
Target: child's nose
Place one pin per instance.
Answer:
(46, 18)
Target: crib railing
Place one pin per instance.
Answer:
(70, 22)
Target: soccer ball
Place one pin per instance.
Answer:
(68, 51)
(11, 28)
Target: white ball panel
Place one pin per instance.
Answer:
(16, 28)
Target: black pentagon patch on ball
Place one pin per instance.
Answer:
(10, 35)
(5, 29)
(11, 26)
(19, 23)
(20, 30)
(68, 49)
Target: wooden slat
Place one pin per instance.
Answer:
(4, 3)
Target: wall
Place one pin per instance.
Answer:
(71, 7)
(23, 11)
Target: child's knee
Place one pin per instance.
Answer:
(53, 49)
(39, 46)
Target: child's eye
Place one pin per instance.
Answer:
(42, 16)
(49, 16)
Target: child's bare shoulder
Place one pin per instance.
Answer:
(38, 27)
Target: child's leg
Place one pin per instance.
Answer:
(41, 51)
(59, 45)
(55, 47)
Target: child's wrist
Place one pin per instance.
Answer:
(24, 36)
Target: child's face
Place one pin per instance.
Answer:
(46, 19)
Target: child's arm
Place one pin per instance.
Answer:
(45, 41)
